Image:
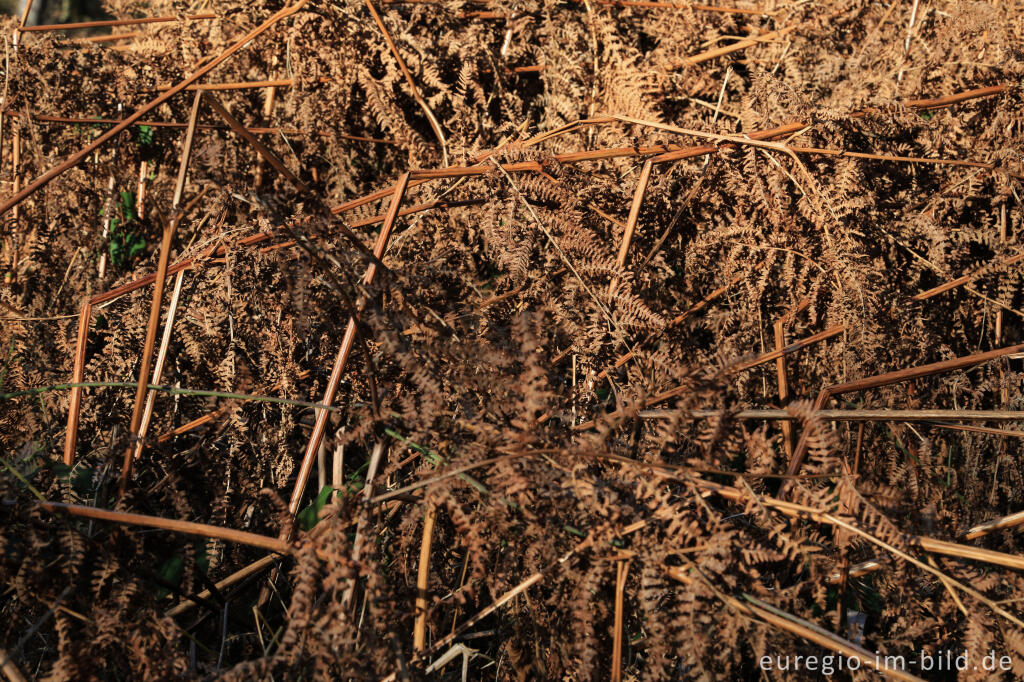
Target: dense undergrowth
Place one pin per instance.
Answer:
(536, 448)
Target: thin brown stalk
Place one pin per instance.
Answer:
(423, 580)
(787, 350)
(856, 570)
(923, 371)
(190, 426)
(890, 378)
(320, 425)
(871, 156)
(186, 527)
(103, 139)
(158, 366)
(634, 215)
(260, 148)
(111, 38)
(25, 12)
(679, 319)
(1004, 392)
(279, 166)
(732, 47)
(965, 279)
(435, 126)
(77, 377)
(554, 244)
(10, 670)
(932, 545)
(235, 577)
(239, 85)
(982, 529)
(672, 223)
(759, 610)
(666, 153)
(621, 572)
(681, 5)
(1010, 433)
(780, 368)
(16, 171)
(760, 360)
(111, 22)
(357, 543)
(269, 100)
(858, 415)
(170, 226)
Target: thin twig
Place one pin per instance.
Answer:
(435, 126)
(170, 226)
(187, 527)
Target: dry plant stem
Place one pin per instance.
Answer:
(982, 529)
(791, 348)
(679, 319)
(260, 148)
(186, 527)
(240, 85)
(965, 279)
(108, 211)
(732, 47)
(357, 542)
(348, 341)
(170, 226)
(269, 99)
(927, 544)
(512, 594)
(1010, 433)
(111, 38)
(894, 378)
(423, 580)
(113, 23)
(40, 118)
(859, 415)
(634, 215)
(83, 331)
(435, 126)
(279, 166)
(235, 577)
(82, 154)
(937, 546)
(780, 368)
(760, 360)
(16, 171)
(665, 153)
(857, 570)
(147, 351)
(622, 571)
(758, 610)
(10, 670)
(140, 193)
(161, 357)
(77, 376)
(783, 381)
(672, 223)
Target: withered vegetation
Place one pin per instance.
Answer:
(693, 335)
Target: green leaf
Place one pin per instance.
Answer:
(136, 245)
(128, 206)
(145, 135)
(309, 516)
(80, 478)
(116, 252)
(171, 572)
